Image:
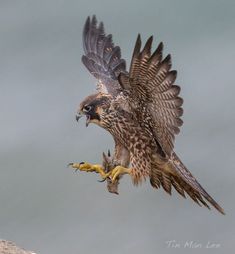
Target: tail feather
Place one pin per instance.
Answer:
(177, 186)
(191, 185)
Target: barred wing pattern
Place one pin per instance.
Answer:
(102, 58)
(151, 85)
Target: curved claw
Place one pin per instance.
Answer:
(104, 177)
(117, 172)
(71, 164)
(101, 181)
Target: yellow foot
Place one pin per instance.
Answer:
(118, 171)
(87, 167)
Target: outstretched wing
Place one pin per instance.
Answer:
(151, 85)
(102, 58)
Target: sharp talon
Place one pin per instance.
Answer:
(117, 172)
(105, 158)
(101, 181)
(87, 167)
(109, 154)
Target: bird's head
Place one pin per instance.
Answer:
(94, 107)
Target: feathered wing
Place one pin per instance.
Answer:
(102, 58)
(151, 85)
(154, 98)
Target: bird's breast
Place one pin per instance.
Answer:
(129, 132)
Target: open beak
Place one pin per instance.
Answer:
(87, 120)
(79, 115)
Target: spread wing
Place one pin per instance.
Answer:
(151, 85)
(102, 58)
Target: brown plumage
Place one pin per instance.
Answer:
(141, 109)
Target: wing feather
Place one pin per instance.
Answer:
(102, 58)
(151, 85)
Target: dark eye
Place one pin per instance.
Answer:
(87, 108)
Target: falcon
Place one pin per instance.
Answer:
(141, 109)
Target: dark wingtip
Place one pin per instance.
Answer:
(94, 20)
(167, 58)
(101, 27)
(157, 54)
(139, 39)
(174, 73)
(161, 45)
(137, 45)
(85, 32)
(159, 49)
(87, 24)
(148, 45)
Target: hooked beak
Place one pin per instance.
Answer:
(87, 120)
(79, 115)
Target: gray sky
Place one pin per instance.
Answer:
(48, 208)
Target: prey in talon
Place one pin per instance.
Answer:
(141, 109)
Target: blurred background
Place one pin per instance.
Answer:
(48, 208)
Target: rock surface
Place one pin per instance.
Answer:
(7, 247)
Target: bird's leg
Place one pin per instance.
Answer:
(87, 167)
(117, 172)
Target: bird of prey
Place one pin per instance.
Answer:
(142, 110)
